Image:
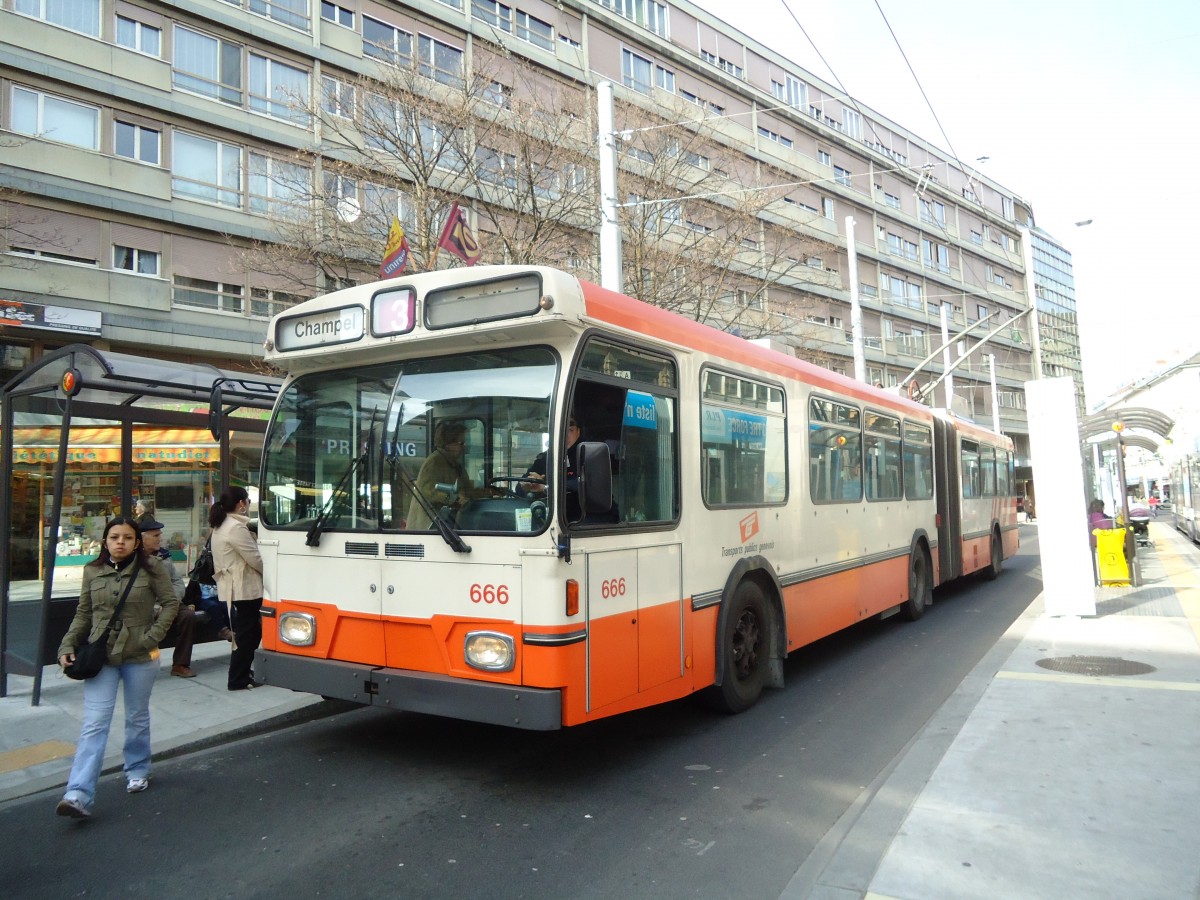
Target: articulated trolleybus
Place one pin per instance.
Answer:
(724, 504)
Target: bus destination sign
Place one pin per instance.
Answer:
(321, 329)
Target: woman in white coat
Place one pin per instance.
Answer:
(238, 567)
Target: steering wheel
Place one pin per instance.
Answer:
(506, 482)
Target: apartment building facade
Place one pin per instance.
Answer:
(138, 137)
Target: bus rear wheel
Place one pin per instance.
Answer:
(993, 571)
(746, 650)
(920, 585)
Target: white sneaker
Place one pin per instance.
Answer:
(73, 808)
(137, 785)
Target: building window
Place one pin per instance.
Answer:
(275, 186)
(664, 79)
(791, 91)
(386, 42)
(937, 256)
(976, 237)
(518, 22)
(78, 15)
(827, 207)
(441, 62)
(265, 303)
(824, 158)
(842, 176)
(650, 14)
(891, 200)
(131, 259)
(933, 212)
(55, 118)
(852, 123)
(498, 93)
(339, 15)
(279, 90)
(208, 65)
(289, 12)
(198, 293)
(775, 136)
(636, 71)
(337, 97)
(138, 142)
(1007, 203)
(139, 36)
(204, 169)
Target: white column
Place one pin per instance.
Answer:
(1035, 331)
(611, 266)
(856, 320)
(1067, 585)
(995, 394)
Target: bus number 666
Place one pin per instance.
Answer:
(612, 587)
(489, 593)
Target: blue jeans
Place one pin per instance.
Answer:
(99, 700)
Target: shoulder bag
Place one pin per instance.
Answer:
(90, 656)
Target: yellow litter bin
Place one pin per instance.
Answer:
(1110, 555)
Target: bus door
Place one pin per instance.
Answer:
(634, 609)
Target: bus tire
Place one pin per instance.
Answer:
(920, 584)
(746, 651)
(992, 572)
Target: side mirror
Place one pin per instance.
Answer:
(594, 469)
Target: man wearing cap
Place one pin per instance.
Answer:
(184, 626)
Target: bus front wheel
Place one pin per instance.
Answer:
(746, 650)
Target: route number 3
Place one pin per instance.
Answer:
(612, 587)
(489, 593)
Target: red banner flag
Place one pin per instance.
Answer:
(458, 239)
(395, 251)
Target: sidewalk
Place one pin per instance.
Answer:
(1064, 765)
(38, 742)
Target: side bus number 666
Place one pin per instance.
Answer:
(489, 593)
(612, 587)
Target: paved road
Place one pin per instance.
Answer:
(672, 802)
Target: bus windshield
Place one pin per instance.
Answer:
(382, 447)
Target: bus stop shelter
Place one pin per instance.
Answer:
(85, 435)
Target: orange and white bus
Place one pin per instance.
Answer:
(724, 506)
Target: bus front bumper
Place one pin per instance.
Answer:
(533, 709)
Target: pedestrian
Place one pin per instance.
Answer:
(238, 566)
(143, 512)
(183, 629)
(121, 568)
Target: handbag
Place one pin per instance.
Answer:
(90, 656)
(204, 571)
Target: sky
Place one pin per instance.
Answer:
(1086, 109)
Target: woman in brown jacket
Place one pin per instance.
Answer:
(132, 658)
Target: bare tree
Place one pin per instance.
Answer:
(705, 232)
(411, 140)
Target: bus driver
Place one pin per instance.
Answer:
(536, 474)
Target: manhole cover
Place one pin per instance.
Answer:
(1095, 665)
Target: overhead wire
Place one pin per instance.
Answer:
(987, 290)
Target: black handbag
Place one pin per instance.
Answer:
(204, 571)
(90, 656)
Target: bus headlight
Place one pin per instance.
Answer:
(298, 629)
(489, 651)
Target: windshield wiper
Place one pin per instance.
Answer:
(332, 510)
(391, 452)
